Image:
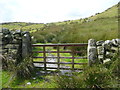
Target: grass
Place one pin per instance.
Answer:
(102, 26)
(36, 82)
(98, 76)
(73, 31)
(6, 76)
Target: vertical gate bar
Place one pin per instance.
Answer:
(44, 55)
(58, 55)
(72, 59)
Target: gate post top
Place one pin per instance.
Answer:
(92, 42)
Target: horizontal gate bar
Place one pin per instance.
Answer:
(59, 63)
(67, 44)
(61, 68)
(64, 57)
(56, 51)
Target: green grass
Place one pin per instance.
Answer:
(97, 75)
(6, 76)
(38, 82)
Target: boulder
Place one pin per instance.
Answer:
(99, 43)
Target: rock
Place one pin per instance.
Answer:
(28, 83)
(109, 54)
(106, 60)
(107, 45)
(99, 43)
(100, 50)
(116, 42)
(92, 42)
(100, 57)
(5, 31)
(114, 49)
(34, 78)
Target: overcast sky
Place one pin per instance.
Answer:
(46, 11)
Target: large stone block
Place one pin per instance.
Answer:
(100, 57)
(114, 49)
(99, 43)
(109, 54)
(100, 50)
(9, 46)
(107, 45)
(116, 42)
(106, 60)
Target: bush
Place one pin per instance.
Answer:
(93, 77)
(115, 70)
(69, 81)
(25, 69)
(98, 77)
(7, 63)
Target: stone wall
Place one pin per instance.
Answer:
(102, 51)
(16, 45)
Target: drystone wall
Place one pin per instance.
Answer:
(16, 45)
(102, 51)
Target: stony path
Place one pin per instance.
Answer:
(53, 65)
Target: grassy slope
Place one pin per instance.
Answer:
(100, 26)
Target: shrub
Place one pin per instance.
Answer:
(114, 65)
(65, 81)
(7, 63)
(98, 77)
(115, 70)
(25, 69)
(93, 77)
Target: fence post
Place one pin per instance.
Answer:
(92, 52)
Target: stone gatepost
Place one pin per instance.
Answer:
(92, 52)
(26, 45)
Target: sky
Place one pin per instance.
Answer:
(47, 11)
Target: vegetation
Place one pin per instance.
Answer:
(97, 76)
(101, 26)
(37, 81)
(73, 31)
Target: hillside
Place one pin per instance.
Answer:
(99, 26)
